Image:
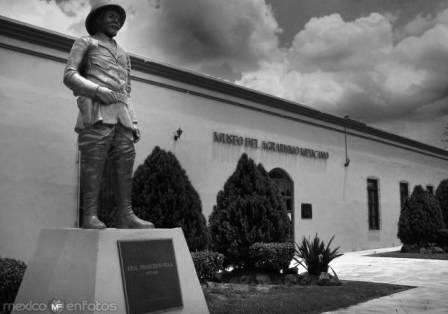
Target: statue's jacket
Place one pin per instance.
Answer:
(92, 64)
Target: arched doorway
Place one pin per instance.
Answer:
(286, 186)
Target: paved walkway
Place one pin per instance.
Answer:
(429, 276)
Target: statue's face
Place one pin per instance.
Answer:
(111, 23)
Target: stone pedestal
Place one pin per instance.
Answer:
(81, 270)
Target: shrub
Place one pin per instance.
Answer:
(11, 274)
(207, 264)
(271, 257)
(410, 248)
(442, 237)
(315, 256)
(248, 210)
(442, 196)
(420, 218)
(163, 194)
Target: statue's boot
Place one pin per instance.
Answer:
(92, 171)
(126, 217)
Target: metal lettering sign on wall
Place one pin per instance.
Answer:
(237, 140)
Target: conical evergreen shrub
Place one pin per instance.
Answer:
(420, 218)
(442, 196)
(163, 194)
(248, 210)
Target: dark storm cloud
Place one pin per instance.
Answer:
(221, 37)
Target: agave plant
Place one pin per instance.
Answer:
(315, 256)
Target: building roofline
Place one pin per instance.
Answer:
(47, 38)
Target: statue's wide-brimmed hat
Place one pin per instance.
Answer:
(99, 5)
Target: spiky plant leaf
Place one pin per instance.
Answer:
(314, 255)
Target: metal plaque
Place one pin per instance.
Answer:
(150, 277)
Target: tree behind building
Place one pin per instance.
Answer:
(248, 210)
(442, 197)
(420, 218)
(163, 194)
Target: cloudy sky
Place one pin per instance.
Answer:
(383, 62)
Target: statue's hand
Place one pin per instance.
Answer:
(105, 95)
(136, 134)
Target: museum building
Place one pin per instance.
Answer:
(337, 176)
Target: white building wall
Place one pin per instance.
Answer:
(338, 194)
(38, 176)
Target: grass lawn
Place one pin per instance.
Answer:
(398, 254)
(252, 299)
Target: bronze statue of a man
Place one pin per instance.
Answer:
(98, 72)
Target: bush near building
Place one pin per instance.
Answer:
(271, 257)
(163, 194)
(442, 196)
(207, 264)
(11, 274)
(248, 210)
(442, 238)
(420, 219)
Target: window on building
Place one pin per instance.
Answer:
(373, 204)
(430, 189)
(404, 193)
(307, 211)
(286, 186)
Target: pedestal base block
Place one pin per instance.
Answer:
(80, 271)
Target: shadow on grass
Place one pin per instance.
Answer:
(398, 254)
(235, 298)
